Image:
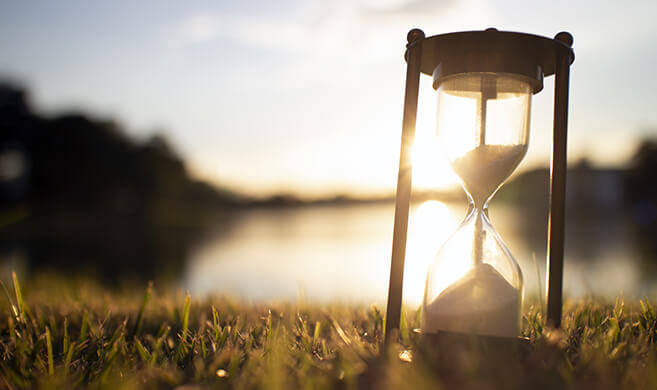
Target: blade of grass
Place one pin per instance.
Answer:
(51, 364)
(185, 320)
(203, 348)
(403, 326)
(338, 329)
(215, 323)
(164, 332)
(182, 350)
(316, 333)
(19, 297)
(143, 353)
(84, 327)
(418, 316)
(539, 284)
(69, 356)
(142, 308)
(118, 333)
(11, 303)
(66, 341)
(109, 362)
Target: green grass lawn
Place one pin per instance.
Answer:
(66, 335)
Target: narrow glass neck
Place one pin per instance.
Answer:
(480, 214)
(473, 208)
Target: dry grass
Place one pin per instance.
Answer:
(55, 335)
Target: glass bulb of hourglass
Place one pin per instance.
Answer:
(474, 285)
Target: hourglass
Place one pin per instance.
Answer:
(484, 81)
(474, 285)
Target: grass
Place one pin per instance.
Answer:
(60, 336)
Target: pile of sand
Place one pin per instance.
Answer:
(482, 302)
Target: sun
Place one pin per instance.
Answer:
(430, 167)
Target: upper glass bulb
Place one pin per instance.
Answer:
(483, 126)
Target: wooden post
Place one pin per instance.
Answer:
(403, 196)
(558, 168)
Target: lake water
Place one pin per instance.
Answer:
(342, 253)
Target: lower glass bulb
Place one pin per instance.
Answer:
(474, 285)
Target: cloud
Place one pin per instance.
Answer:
(198, 29)
(344, 39)
(312, 26)
(253, 31)
(408, 7)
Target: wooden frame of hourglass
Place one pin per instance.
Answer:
(489, 51)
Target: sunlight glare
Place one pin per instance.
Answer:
(430, 167)
(459, 249)
(430, 225)
(457, 123)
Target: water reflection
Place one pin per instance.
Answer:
(319, 252)
(328, 253)
(430, 226)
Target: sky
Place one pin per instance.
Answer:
(305, 96)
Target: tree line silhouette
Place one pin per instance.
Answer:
(76, 192)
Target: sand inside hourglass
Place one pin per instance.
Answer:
(485, 167)
(481, 302)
